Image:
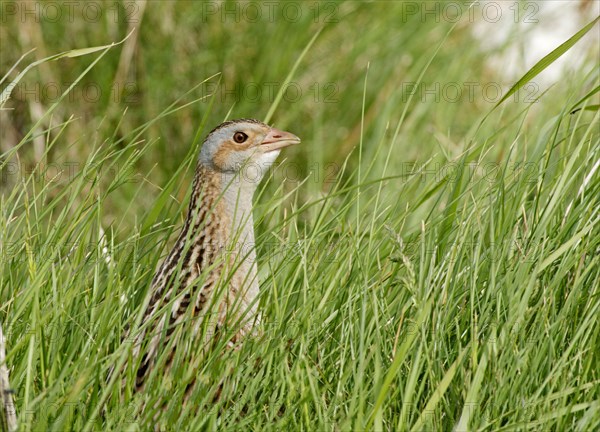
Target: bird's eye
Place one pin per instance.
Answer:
(240, 137)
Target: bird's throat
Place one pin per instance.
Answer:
(224, 201)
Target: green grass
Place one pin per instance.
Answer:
(425, 263)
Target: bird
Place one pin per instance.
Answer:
(215, 247)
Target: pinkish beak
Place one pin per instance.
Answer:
(277, 139)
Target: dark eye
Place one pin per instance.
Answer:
(240, 137)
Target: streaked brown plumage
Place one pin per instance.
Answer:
(216, 242)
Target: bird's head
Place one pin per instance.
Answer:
(244, 144)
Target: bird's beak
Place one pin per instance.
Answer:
(277, 139)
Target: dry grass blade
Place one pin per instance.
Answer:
(8, 418)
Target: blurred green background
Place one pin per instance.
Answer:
(245, 50)
(386, 89)
(242, 52)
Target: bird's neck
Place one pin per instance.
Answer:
(236, 195)
(224, 202)
(218, 234)
(228, 197)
